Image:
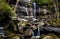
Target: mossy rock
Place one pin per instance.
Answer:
(42, 36)
(15, 37)
(1, 37)
(56, 23)
(53, 36)
(9, 33)
(49, 36)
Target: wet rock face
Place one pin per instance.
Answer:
(21, 11)
(52, 30)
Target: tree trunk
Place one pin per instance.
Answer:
(57, 10)
(55, 3)
(16, 5)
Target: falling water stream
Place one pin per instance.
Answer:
(34, 7)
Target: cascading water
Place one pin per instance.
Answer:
(34, 7)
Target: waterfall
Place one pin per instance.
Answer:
(34, 7)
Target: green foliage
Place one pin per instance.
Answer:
(43, 1)
(6, 13)
(59, 2)
(2, 0)
(5, 8)
(46, 1)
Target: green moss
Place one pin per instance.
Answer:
(55, 22)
